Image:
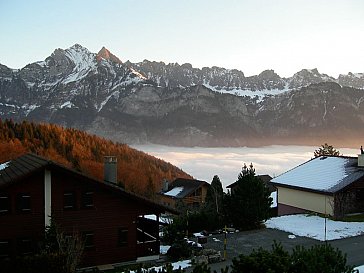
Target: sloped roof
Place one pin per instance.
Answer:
(27, 164)
(328, 174)
(182, 187)
(20, 167)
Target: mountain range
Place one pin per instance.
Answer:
(154, 102)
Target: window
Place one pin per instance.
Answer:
(88, 199)
(25, 246)
(122, 237)
(23, 202)
(4, 204)
(4, 249)
(88, 238)
(69, 200)
(198, 192)
(360, 195)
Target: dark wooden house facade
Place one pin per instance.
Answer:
(185, 192)
(34, 190)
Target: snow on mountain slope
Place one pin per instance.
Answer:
(259, 95)
(84, 62)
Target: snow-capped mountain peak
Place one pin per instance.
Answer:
(308, 76)
(84, 61)
(352, 79)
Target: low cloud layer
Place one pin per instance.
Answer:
(204, 163)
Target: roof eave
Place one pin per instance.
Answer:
(325, 192)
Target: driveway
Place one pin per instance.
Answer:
(244, 242)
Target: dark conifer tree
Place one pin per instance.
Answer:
(249, 204)
(214, 196)
(326, 149)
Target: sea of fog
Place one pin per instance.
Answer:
(204, 163)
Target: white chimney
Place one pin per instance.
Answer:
(361, 160)
(165, 185)
(111, 169)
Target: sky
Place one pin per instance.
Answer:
(249, 35)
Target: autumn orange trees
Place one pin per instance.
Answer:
(73, 148)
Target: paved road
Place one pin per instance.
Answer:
(245, 242)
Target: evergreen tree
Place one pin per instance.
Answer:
(249, 204)
(214, 196)
(326, 149)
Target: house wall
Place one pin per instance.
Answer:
(303, 200)
(288, 210)
(204, 193)
(354, 200)
(167, 201)
(111, 212)
(16, 225)
(191, 199)
(198, 196)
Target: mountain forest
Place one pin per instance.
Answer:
(137, 171)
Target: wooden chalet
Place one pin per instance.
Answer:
(185, 192)
(110, 220)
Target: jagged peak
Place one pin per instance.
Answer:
(105, 54)
(313, 71)
(268, 73)
(78, 48)
(353, 75)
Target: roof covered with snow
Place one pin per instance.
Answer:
(323, 174)
(174, 192)
(182, 187)
(4, 165)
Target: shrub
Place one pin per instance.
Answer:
(262, 261)
(179, 250)
(39, 263)
(319, 258)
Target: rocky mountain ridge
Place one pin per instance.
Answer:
(151, 102)
(222, 79)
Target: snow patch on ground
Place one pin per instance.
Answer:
(176, 265)
(164, 249)
(314, 227)
(198, 234)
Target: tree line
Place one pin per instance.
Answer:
(137, 171)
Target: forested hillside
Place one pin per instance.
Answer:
(137, 171)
